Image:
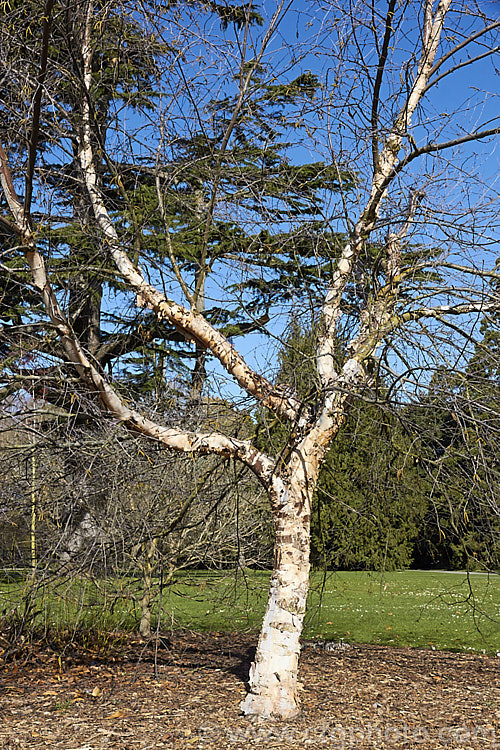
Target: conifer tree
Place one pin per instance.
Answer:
(371, 497)
(459, 428)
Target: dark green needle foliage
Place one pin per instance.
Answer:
(367, 513)
(459, 447)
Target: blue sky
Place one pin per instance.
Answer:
(335, 124)
(461, 102)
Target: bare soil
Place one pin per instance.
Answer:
(184, 692)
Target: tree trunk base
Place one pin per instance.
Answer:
(277, 706)
(273, 676)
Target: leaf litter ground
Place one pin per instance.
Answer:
(184, 692)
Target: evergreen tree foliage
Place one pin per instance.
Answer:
(370, 500)
(417, 485)
(124, 59)
(459, 439)
(274, 216)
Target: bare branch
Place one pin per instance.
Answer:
(243, 88)
(458, 66)
(33, 143)
(430, 148)
(394, 239)
(378, 83)
(179, 440)
(189, 322)
(382, 176)
(13, 201)
(465, 43)
(170, 250)
(479, 272)
(8, 226)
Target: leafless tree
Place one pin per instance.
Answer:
(98, 517)
(406, 101)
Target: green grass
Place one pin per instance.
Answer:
(410, 608)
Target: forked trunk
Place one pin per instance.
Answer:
(273, 675)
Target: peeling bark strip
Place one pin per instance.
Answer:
(273, 675)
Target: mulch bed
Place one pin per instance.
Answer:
(185, 693)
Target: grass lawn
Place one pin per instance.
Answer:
(410, 608)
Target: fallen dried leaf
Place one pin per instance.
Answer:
(116, 715)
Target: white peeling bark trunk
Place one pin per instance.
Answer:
(273, 675)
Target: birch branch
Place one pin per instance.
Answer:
(441, 311)
(461, 45)
(395, 239)
(168, 240)
(378, 84)
(13, 202)
(244, 84)
(176, 439)
(458, 66)
(430, 148)
(189, 322)
(383, 174)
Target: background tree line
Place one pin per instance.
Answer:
(412, 485)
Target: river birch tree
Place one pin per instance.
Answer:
(404, 100)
